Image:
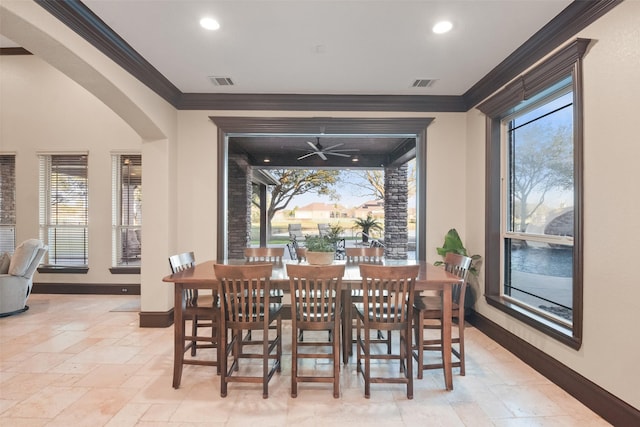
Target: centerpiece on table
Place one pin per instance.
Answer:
(320, 250)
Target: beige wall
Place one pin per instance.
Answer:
(611, 205)
(179, 158)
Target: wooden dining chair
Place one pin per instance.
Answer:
(264, 255)
(203, 312)
(315, 306)
(245, 305)
(371, 256)
(429, 308)
(388, 293)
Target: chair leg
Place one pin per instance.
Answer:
(408, 359)
(265, 364)
(222, 363)
(336, 363)
(461, 345)
(419, 334)
(294, 361)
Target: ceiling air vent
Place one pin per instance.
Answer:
(221, 81)
(423, 83)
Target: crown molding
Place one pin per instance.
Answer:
(565, 25)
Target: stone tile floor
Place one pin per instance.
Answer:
(72, 361)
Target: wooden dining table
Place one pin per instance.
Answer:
(430, 277)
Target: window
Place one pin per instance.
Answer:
(127, 209)
(7, 202)
(64, 209)
(533, 255)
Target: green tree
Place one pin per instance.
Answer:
(375, 180)
(294, 182)
(542, 160)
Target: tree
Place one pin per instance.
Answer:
(375, 180)
(294, 182)
(542, 160)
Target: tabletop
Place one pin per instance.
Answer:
(203, 276)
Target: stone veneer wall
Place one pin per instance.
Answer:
(239, 206)
(395, 212)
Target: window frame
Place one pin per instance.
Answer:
(45, 215)
(8, 202)
(118, 267)
(564, 63)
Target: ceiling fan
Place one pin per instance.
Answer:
(322, 152)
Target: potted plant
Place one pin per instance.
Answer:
(320, 250)
(367, 224)
(453, 243)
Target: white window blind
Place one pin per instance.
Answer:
(64, 208)
(7, 202)
(126, 209)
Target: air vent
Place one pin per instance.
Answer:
(423, 83)
(221, 81)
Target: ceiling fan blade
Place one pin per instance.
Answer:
(313, 145)
(341, 150)
(333, 146)
(333, 153)
(306, 155)
(321, 154)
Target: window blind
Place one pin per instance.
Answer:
(7, 202)
(64, 208)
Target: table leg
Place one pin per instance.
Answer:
(178, 334)
(446, 336)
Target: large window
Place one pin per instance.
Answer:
(127, 209)
(64, 209)
(534, 197)
(7, 202)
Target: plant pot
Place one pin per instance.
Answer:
(320, 258)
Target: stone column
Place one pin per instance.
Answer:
(239, 206)
(395, 212)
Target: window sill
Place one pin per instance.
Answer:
(558, 332)
(124, 270)
(63, 269)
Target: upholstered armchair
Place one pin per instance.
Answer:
(16, 276)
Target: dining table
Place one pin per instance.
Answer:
(430, 278)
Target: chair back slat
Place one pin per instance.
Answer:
(273, 255)
(458, 265)
(357, 255)
(182, 261)
(388, 293)
(315, 292)
(242, 293)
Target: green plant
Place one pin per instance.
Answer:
(335, 232)
(453, 243)
(319, 244)
(367, 224)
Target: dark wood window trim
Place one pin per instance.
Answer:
(125, 270)
(62, 269)
(565, 62)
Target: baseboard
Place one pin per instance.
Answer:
(599, 400)
(156, 319)
(86, 288)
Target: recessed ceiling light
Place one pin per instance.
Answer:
(442, 27)
(209, 24)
